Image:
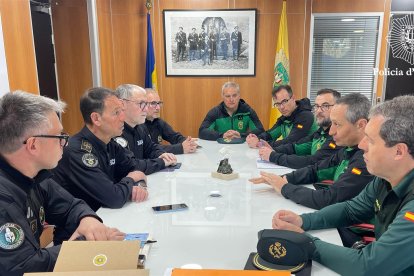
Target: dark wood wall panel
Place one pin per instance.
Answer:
(73, 59)
(18, 45)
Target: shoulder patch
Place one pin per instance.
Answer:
(159, 139)
(356, 171)
(121, 141)
(86, 146)
(90, 160)
(299, 126)
(332, 145)
(11, 236)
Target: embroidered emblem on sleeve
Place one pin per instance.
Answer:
(121, 141)
(90, 160)
(11, 236)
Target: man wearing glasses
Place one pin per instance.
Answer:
(388, 147)
(313, 148)
(160, 130)
(232, 118)
(346, 168)
(31, 143)
(94, 167)
(296, 122)
(151, 156)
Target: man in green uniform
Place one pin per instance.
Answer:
(312, 148)
(388, 148)
(346, 168)
(296, 122)
(232, 118)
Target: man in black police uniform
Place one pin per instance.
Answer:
(160, 130)
(346, 168)
(135, 135)
(31, 141)
(94, 167)
(201, 42)
(224, 42)
(312, 148)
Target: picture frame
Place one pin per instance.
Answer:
(210, 42)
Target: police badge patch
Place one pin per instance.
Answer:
(121, 141)
(90, 160)
(11, 236)
(240, 125)
(159, 139)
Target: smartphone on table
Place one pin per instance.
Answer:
(170, 208)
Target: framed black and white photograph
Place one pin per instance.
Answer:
(210, 42)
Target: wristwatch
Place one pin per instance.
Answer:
(141, 183)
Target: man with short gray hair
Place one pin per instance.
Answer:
(31, 142)
(150, 156)
(346, 168)
(388, 147)
(232, 118)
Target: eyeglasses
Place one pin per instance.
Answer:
(323, 107)
(62, 137)
(154, 104)
(282, 103)
(141, 105)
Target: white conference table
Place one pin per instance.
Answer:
(215, 232)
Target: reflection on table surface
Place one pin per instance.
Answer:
(215, 231)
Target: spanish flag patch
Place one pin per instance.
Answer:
(300, 126)
(332, 145)
(356, 171)
(409, 216)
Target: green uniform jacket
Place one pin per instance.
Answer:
(218, 121)
(307, 151)
(298, 125)
(392, 252)
(346, 168)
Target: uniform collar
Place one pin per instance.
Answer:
(95, 141)
(129, 128)
(404, 186)
(153, 122)
(24, 182)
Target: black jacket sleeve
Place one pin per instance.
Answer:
(173, 137)
(306, 120)
(300, 161)
(347, 186)
(256, 127)
(206, 130)
(27, 257)
(96, 184)
(169, 134)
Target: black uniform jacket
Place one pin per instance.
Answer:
(25, 204)
(292, 128)
(159, 129)
(348, 170)
(95, 171)
(146, 152)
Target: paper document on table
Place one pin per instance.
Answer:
(262, 164)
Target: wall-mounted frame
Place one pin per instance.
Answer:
(210, 42)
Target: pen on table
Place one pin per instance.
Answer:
(150, 241)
